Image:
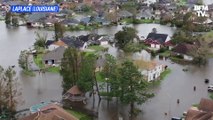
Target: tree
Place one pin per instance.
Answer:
(132, 86)
(125, 36)
(23, 60)
(70, 67)
(112, 16)
(58, 1)
(8, 18)
(201, 53)
(154, 30)
(9, 92)
(14, 21)
(181, 37)
(59, 31)
(110, 73)
(40, 40)
(86, 78)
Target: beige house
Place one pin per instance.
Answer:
(151, 70)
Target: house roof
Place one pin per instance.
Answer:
(145, 65)
(70, 21)
(51, 112)
(184, 48)
(60, 43)
(198, 115)
(36, 17)
(124, 13)
(74, 90)
(168, 43)
(145, 13)
(51, 20)
(16, 3)
(73, 42)
(85, 20)
(161, 38)
(206, 105)
(66, 11)
(56, 54)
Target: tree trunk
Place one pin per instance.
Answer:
(131, 111)
(96, 84)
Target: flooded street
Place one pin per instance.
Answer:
(44, 87)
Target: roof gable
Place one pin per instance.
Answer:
(161, 38)
(56, 54)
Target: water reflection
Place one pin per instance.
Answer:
(178, 84)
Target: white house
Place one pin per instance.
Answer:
(156, 40)
(103, 41)
(37, 24)
(150, 70)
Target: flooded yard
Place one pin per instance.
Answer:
(45, 87)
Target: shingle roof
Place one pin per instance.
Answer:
(73, 42)
(124, 13)
(184, 48)
(198, 115)
(145, 65)
(85, 20)
(161, 38)
(56, 54)
(206, 105)
(36, 17)
(70, 21)
(74, 90)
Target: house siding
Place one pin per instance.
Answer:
(151, 75)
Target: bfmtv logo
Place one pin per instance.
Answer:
(201, 10)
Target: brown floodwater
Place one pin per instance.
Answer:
(45, 87)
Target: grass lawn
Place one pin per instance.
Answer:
(83, 27)
(182, 2)
(211, 96)
(208, 36)
(79, 115)
(147, 21)
(38, 61)
(89, 53)
(165, 54)
(97, 48)
(29, 73)
(53, 69)
(40, 64)
(165, 73)
(195, 105)
(162, 77)
(127, 20)
(138, 21)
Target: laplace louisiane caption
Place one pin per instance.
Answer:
(34, 8)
